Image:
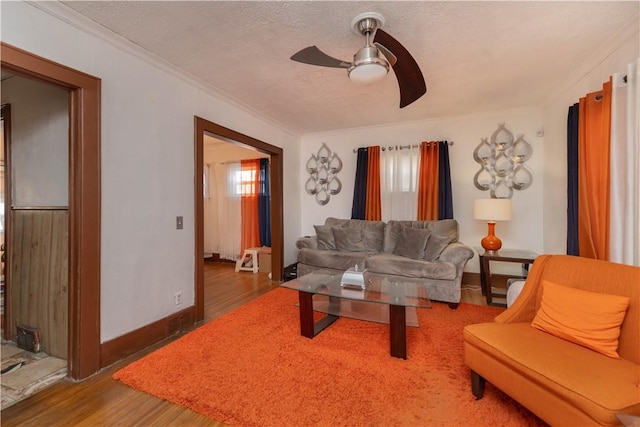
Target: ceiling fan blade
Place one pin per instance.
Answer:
(410, 79)
(314, 56)
(391, 58)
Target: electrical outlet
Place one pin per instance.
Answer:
(177, 298)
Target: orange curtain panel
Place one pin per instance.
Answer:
(373, 206)
(249, 203)
(594, 136)
(428, 173)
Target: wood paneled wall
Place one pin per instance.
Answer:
(39, 276)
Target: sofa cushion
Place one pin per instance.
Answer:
(595, 384)
(324, 235)
(442, 228)
(372, 231)
(411, 243)
(589, 319)
(331, 259)
(349, 239)
(401, 266)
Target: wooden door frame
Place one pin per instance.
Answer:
(84, 200)
(277, 227)
(6, 316)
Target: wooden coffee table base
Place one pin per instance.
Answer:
(397, 324)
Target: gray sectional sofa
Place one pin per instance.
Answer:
(422, 251)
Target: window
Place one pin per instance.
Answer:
(399, 184)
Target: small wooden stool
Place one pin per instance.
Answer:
(253, 254)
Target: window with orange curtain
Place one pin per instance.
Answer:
(593, 173)
(248, 186)
(428, 178)
(373, 210)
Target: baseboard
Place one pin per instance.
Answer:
(214, 257)
(497, 280)
(134, 341)
(471, 279)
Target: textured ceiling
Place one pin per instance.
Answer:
(475, 56)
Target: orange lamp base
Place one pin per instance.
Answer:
(491, 242)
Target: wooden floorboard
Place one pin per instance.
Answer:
(102, 401)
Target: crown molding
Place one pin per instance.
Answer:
(65, 14)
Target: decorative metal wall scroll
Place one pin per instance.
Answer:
(323, 168)
(502, 167)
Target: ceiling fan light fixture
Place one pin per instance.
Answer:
(367, 66)
(368, 73)
(371, 63)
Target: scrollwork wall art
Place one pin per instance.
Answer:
(323, 168)
(502, 167)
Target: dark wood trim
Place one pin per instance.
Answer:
(199, 129)
(134, 341)
(471, 278)
(497, 280)
(277, 227)
(84, 200)
(8, 315)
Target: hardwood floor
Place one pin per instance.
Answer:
(102, 401)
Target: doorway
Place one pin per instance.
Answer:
(203, 127)
(84, 201)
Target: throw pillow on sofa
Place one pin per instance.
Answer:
(589, 319)
(435, 246)
(411, 242)
(324, 235)
(349, 239)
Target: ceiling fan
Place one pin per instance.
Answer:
(371, 63)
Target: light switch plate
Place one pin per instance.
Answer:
(179, 223)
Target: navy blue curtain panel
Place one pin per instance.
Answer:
(445, 195)
(360, 187)
(264, 203)
(572, 180)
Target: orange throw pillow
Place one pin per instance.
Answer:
(589, 319)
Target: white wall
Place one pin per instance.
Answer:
(622, 50)
(39, 143)
(523, 231)
(147, 161)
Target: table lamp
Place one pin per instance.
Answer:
(492, 210)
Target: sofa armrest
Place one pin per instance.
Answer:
(310, 242)
(524, 308)
(457, 253)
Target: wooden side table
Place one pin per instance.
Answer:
(520, 256)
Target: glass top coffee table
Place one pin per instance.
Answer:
(370, 304)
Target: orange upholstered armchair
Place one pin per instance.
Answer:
(563, 380)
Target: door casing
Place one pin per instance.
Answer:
(277, 234)
(84, 200)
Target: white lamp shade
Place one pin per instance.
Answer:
(368, 73)
(492, 209)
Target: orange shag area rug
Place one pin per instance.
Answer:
(252, 367)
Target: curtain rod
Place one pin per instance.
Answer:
(599, 96)
(400, 147)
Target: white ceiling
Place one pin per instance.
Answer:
(475, 56)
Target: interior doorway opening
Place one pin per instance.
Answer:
(204, 127)
(84, 201)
